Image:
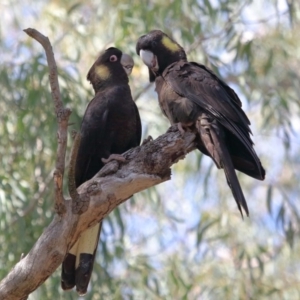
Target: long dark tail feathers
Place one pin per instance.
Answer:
(84, 272)
(78, 264)
(68, 268)
(212, 137)
(235, 187)
(68, 272)
(85, 258)
(231, 177)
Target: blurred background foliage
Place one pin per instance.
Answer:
(185, 238)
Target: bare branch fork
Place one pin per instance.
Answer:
(62, 115)
(145, 166)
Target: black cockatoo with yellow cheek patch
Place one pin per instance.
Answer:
(194, 97)
(111, 125)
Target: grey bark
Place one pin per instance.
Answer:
(146, 166)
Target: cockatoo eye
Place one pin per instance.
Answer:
(113, 58)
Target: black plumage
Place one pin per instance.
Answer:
(111, 125)
(194, 97)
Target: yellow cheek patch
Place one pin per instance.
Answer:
(102, 72)
(169, 44)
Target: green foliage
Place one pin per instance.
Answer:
(183, 239)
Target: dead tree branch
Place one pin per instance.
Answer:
(62, 115)
(146, 166)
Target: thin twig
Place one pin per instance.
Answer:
(62, 115)
(77, 202)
